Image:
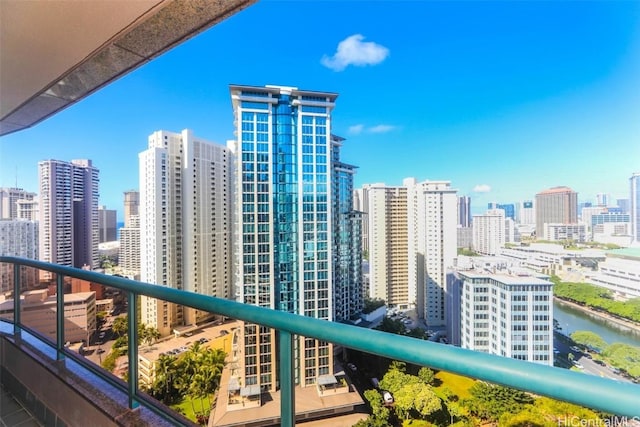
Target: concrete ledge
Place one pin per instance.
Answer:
(64, 393)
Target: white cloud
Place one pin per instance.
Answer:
(353, 51)
(356, 129)
(381, 128)
(360, 128)
(482, 188)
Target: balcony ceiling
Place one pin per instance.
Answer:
(54, 53)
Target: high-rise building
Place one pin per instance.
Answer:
(505, 314)
(106, 224)
(348, 297)
(603, 199)
(9, 199)
(294, 198)
(557, 205)
(185, 226)
(18, 238)
(131, 206)
(634, 205)
(433, 247)
(624, 205)
(361, 204)
(527, 213)
(508, 208)
(489, 232)
(412, 241)
(389, 246)
(28, 209)
(464, 211)
(129, 251)
(69, 213)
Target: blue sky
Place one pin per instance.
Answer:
(503, 99)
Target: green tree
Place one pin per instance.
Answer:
(378, 409)
(489, 401)
(120, 325)
(392, 326)
(589, 339)
(426, 375)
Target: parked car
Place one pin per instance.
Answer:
(387, 397)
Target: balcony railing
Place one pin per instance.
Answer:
(604, 394)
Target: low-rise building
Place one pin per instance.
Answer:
(38, 312)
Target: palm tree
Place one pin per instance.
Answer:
(120, 325)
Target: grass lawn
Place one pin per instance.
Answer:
(458, 384)
(186, 408)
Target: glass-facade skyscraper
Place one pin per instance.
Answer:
(297, 237)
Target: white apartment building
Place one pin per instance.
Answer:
(489, 232)
(69, 213)
(617, 233)
(28, 209)
(9, 198)
(527, 213)
(559, 232)
(433, 245)
(505, 313)
(184, 223)
(129, 252)
(388, 222)
(413, 239)
(18, 238)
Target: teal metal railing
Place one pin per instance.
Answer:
(604, 394)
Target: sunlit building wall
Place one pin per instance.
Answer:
(68, 223)
(184, 223)
(18, 238)
(289, 181)
(506, 314)
(557, 205)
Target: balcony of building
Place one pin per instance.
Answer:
(46, 382)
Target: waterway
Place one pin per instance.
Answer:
(571, 319)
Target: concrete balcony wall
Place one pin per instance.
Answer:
(63, 393)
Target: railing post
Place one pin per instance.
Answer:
(287, 380)
(132, 337)
(60, 316)
(16, 299)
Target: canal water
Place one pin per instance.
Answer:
(571, 320)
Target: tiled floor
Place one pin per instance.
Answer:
(12, 414)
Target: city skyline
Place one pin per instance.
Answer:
(502, 99)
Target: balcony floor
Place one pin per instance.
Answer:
(12, 413)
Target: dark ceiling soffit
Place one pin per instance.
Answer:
(171, 25)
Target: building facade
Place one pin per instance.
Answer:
(634, 205)
(131, 206)
(558, 205)
(389, 245)
(293, 237)
(185, 226)
(129, 251)
(527, 213)
(562, 232)
(68, 224)
(9, 199)
(464, 211)
(38, 311)
(506, 314)
(107, 224)
(489, 232)
(433, 246)
(18, 238)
